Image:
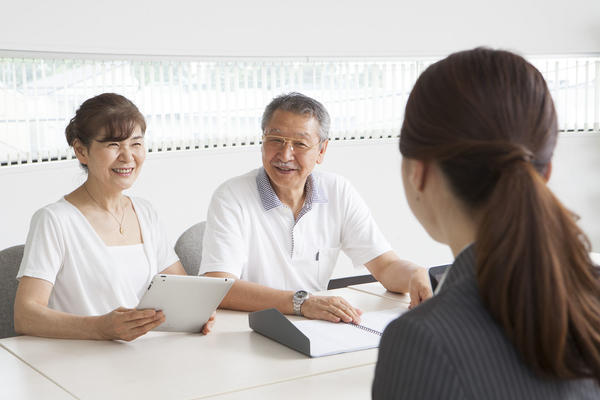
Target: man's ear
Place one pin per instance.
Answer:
(322, 150)
(81, 151)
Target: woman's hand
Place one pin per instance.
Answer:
(128, 324)
(419, 287)
(209, 324)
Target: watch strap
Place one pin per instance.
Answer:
(297, 301)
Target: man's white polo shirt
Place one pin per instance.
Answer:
(250, 233)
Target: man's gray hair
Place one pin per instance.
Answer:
(298, 103)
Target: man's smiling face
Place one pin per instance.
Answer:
(286, 166)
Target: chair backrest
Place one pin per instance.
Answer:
(189, 248)
(10, 261)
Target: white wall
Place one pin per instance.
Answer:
(310, 27)
(180, 185)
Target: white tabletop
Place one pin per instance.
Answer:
(347, 384)
(21, 382)
(183, 366)
(377, 289)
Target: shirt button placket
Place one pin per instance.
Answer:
(292, 231)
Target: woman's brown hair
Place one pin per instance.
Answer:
(107, 117)
(487, 119)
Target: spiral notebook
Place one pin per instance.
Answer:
(322, 338)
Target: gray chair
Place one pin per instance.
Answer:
(189, 248)
(10, 260)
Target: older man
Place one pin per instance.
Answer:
(279, 229)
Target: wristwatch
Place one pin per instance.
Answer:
(299, 298)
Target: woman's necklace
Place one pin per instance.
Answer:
(121, 231)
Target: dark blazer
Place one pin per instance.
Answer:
(451, 348)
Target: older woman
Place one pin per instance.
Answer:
(518, 313)
(90, 256)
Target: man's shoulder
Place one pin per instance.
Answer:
(331, 182)
(337, 189)
(328, 177)
(243, 182)
(239, 192)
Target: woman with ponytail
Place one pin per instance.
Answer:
(517, 315)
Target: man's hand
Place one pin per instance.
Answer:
(419, 287)
(330, 308)
(128, 324)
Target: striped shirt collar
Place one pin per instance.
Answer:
(462, 268)
(269, 199)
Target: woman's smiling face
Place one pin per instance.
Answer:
(115, 165)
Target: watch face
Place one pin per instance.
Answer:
(300, 294)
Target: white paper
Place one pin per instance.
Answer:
(331, 338)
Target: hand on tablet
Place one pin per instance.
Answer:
(209, 324)
(128, 324)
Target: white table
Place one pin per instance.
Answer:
(347, 384)
(158, 365)
(18, 381)
(377, 289)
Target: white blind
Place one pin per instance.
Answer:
(199, 104)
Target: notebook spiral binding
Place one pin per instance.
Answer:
(364, 328)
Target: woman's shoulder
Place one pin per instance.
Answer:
(451, 321)
(140, 202)
(51, 222)
(413, 357)
(144, 208)
(58, 209)
(439, 314)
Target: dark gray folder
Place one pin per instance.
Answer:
(274, 325)
(322, 338)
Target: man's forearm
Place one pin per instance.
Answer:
(393, 272)
(396, 276)
(250, 296)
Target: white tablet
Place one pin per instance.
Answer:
(186, 301)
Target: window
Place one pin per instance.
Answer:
(209, 103)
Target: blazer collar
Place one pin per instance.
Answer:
(462, 268)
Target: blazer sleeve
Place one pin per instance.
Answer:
(411, 365)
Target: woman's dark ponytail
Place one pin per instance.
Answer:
(536, 278)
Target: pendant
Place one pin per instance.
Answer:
(121, 230)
